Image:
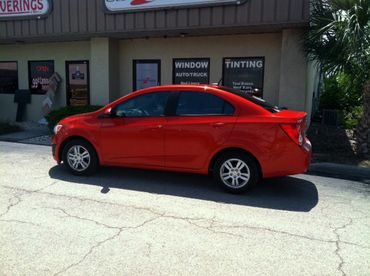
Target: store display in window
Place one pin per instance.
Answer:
(48, 102)
(39, 74)
(77, 83)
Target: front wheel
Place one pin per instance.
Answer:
(236, 172)
(79, 157)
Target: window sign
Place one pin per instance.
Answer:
(39, 75)
(191, 71)
(146, 73)
(132, 5)
(8, 76)
(77, 83)
(18, 9)
(245, 74)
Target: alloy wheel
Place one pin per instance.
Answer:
(235, 173)
(78, 158)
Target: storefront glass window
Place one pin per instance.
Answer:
(78, 87)
(147, 73)
(8, 76)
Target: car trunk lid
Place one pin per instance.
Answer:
(293, 123)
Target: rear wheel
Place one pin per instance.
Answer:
(236, 172)
(79, 157)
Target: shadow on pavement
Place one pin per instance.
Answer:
(287, 193)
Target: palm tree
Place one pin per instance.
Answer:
(339, 39)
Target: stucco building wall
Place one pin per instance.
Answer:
(22, 53)
(213, 47)
(286, 74)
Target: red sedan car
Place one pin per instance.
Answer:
(188, 128)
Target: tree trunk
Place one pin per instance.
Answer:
(363, 129)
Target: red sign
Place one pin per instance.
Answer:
(23, 8)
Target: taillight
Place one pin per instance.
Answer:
(294, 132)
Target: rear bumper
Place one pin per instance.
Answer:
(294, 160)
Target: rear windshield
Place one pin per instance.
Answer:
(256, 100)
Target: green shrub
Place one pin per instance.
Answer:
(341, 92)
(6, 127)
(332, 97)
(58, 114)
(352, 118)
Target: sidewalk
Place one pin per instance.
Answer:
(31, 133)
(341, 171)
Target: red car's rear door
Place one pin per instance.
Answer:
(202, 123)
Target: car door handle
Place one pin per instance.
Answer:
(157, 127)
(218, 124)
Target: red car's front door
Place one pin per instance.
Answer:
(135, 136)
(133, 141)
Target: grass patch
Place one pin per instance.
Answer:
(6, 127)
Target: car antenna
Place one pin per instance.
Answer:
(220, 82)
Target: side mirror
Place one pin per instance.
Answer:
(108, 113)
(112, 113)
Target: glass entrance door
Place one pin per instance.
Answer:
(78, 85)
(147, 73)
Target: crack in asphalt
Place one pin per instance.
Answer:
(337, 244)
(19, 199)
(98, 244)
(188, 219)
(12, 204)
(212, 229)
(84, 199)
(81, 218)
(193, 221)
(277, 232)
(21, 221)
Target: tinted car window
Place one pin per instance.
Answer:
(146, 105)
(253, 99)
(200, 103)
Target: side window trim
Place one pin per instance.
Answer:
(172, 102)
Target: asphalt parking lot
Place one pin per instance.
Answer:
(136, 222)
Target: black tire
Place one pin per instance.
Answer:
(234, 180)
(83, 165)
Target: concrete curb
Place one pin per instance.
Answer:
(23, 135)
(27, 137)
(341, 171)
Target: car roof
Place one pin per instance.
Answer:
(196, 88)
(178, 87)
